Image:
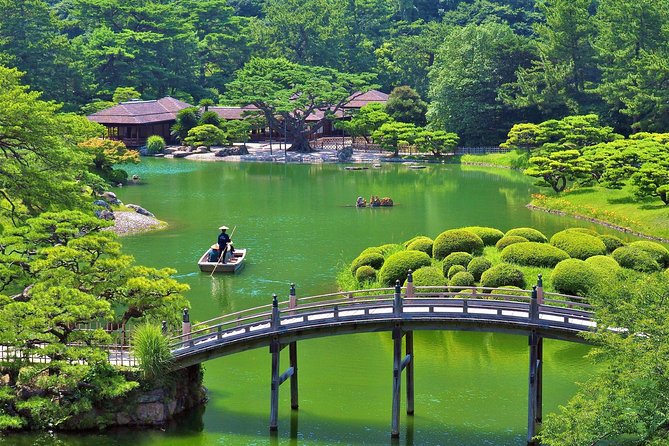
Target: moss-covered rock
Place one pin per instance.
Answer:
(463, 278)
(533, 254)
(477, 266)
(397, 266)
(453, 270)
(490, 236)
(611, 242)
(578, 245)
(531, 234)
(371, 258)
(637, 259)
(509, 240)
(456, 258)
(428, 276)
(365, 274)
(656, 251)
(501, 275)
(456, 240)
(575, 277)
(421, 243)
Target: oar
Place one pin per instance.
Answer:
(222, 255)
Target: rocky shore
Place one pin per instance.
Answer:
(130, 222)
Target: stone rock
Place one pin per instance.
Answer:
(110, 197)
(345, 154)
(201, 149)
(5, 379)
(154, 396)
(122, 419)
(180, 154)
(102, 203)
(140, 210)
(105, 214)
(170, 150)
(232, 151)
(151, 413)
(171, 407)
(159, 155)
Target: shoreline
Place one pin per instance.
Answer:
(131, 223)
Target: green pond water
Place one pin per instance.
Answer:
(299, 225)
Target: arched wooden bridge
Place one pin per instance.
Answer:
(398, 310)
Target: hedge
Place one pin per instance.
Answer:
(477, 266)
(490, 236)
(635, 258)
(456, 258)
(574, 276)
(397, 266)
(428, 276)
(463, 278)
(611, 242)
(604, 265)
(501, 275)
(365, 274)
(531, 234)
(421, 243)
(456, 240)
(453, 270)
(657, 251)
(578, 244)
(533, 254)
(509, 240)
(371, 258)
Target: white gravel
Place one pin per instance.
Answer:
(130, 222)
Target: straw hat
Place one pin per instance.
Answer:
(223, 227)
(214, 246)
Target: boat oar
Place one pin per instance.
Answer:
(222, 254)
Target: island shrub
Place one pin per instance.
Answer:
(656, 251)
(428, 276)
(365, 273)
(533, 254)
(503, 275)
(453, 270)
(490, 236)
(152, 349)
(155, 144)
(575, 277)
(373, 259)
(456, 240)
(637, 259)
(611, 242)
(509, 240)
(463, 278)
(606, 266)
(397, 266)
(531, 234)
(456, 258)
(477, 266)
(578, 244)
(421, 244)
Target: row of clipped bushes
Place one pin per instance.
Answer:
(579, 259)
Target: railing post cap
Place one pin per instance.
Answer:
(186, 316)
(540, 280)
(534, 292)
(410, 276)
(275, 301)
(397, 286)
(292, 289)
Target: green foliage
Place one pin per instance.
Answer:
(389, 249)
(456, 240)
(365, 121)
(372, 258)
(187, 119)
(636, 259)
(611, 242)
(460, 279)
(204, 135)
(533, 254)
(531, 234)
(428, 276)
(393, 134)
(501, 275)
(124, 94)
(490, 236)
(152, 350)
(436, 142)
(575, 277)
(508, 240)
(454, 269)
(236, 131)
(604, 266)
(365, 273)
(210, 117)
(477, 266)
(578, 245)
(397, 266)
(456, 258)
(405, 105)
(658, 252)
(421, 243)
(557, 168)
(155, 144)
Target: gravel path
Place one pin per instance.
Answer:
(130, 222)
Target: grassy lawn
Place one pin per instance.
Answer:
(513, 159)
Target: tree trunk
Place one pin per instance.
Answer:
(300, 144)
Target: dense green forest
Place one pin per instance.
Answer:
(481, 65)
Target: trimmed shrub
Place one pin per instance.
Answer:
(463, 278)
(509, 240)
(510, 291)
(578, 244)
(365, 274)
(456, 240)
(373, 259)
(635, 258)
(490, 236)
(502, 275)
(611, 242)
(413, 239)
(656, 251)
(421, 244)
(428, 276)
(155, 144)
(604, 265)
(531, 234)
(584, 231)
(477, 266)
(453, 270)
(456, 258)
(371, 249)
(397, 266)
(389, 249)
(533, 254)
(574, 276)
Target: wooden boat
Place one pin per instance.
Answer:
(234, 263)
(356, 167)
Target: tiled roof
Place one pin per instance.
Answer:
(360, 100)
(140, 112)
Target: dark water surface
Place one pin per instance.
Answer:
(299, 225)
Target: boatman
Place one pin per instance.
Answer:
(223, 240)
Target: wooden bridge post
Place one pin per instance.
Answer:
(292, 352)
(275, 350)
(185, 325)
(292, 298)
(275, 321)
(397, 381)
(410, 289)
(397, 301)
(410, 387)
(540, 289)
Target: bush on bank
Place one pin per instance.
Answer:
(533, 254)
(531, 234)
(578, 245)
(397, 266)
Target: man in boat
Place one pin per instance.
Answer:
(214, 253)
(223, 240)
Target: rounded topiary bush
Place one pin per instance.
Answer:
(456, 240)
(531, 234)
(501, 275)
(636, 259)
(397, 266)
(371, 249)
(373, 259)
(604, 265)
(389, 249)
(656, 251)
(533, 254)
(453, 270)
(463, 278)
(428, 276)
(574, 276)
(490, 236)
(477, 266)
(421, 244)
(509, 240)
(365, 274)
(584, 231)
(510, 291)
(578, 244)
(611, 242)
(456, 258)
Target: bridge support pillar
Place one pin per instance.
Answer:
(535, 397)
(399, 364)
(292, 354)
(275, 350)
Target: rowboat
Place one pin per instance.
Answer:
(234, 263)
